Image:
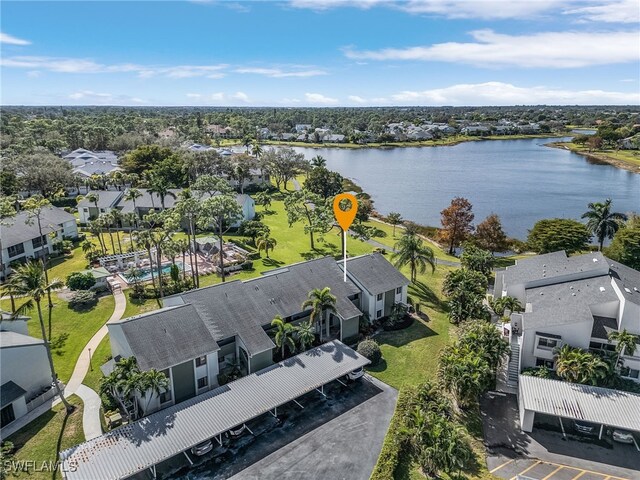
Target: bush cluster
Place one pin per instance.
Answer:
(82, 299)
(369, 349)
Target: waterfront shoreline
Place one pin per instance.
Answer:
(598, 157)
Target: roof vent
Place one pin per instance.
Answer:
(573, 294)
(595, 260)
(541, 293)
(571, 287)
(627, 290)
(636, 289)
(602, 289)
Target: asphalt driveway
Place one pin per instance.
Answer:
(337, 437)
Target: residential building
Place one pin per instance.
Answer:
(575, 300)
(202, 333)
(87, 163)
(21, 239)
(380, 283)
(149, 202)
(24, 370)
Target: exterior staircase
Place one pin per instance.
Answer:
(513, 369)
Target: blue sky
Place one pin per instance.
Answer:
(321, 52)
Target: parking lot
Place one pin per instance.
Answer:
(524, 469)
(322, 440)
(545, 454)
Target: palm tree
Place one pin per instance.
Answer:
(153, 382)
(106, 220)
(160, 187)
(394, 218)
(29, 280)
(411, 251)
(93, 198)
(284, 335)
(95, 227)
(626, 343)
(131, 195)
(145, 239)
(256, 150)
(318, 161)
(602, 222)
(264, 199)
(320, 301)
(266, 242)
(304, 335)
(577, 366)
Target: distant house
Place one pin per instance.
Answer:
(219, 131)
(630, 143)
(24, 371)
(21, 239)
(147, 203)
(334, 138)
(196, 147)
(87, 163)
(475, 130)
(303, 127)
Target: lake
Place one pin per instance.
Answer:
(521, 180)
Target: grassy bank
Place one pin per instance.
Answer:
(40, 442)
(626, 159)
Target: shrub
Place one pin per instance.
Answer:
(247, 265)
(82, 299)
(109, 403)
(398, 318)
(369, 349)
(80, 281)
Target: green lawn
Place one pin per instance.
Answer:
(79, 326)
(101, 355)
(42, 439)
(630, 158)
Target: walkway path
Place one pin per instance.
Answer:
(91, 416)
(296, 184)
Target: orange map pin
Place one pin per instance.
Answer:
(345, 218)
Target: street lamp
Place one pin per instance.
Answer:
(90, 366)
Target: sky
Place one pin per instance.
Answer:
(320, 53)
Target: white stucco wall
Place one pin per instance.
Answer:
(575, 334)
(119, 344)
(27, 366)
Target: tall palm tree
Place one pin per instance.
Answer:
(320, 301)
(304, 335)
(266, 242)
(144, 238)
(626, 343)
(318, 161)
(152, 382)
(410, 250)
(602, 222)
(577, 366)
(93, 198)
(160, 187)
(106, 221)
(284, 335)
(394, 218)
(131, 195)
(29, 280)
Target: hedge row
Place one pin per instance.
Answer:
(390, 453)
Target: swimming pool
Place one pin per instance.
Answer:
(145, 272)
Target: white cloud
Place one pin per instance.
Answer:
(498, 93)
(278, 73)
(356, 99)
(629, 80)
(211, 97)
(545, 49)
(11, 40)
(243, 97)
(89, 97)
(620, 11)
(318, 98)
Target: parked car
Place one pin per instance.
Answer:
(586, 428)
(202, 448)
(356, 374)
(237, 431)
(622, 436)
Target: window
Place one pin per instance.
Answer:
(379, 297)
(398, 290)
(38, 242)
(602, 346)
(15, 250)
(547, 343)
(165, 396)
(378, 313)
(201, 361)
(203, 382)
(629, 372)
(543, 362)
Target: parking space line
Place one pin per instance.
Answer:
(579, 475)
(583, 471)
(554, 472)
(500, 466)
(526, 470)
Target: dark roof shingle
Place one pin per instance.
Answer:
(375, 273)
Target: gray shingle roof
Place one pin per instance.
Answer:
(19, 231)
(550, 265)
(566, 303)
(244, 308)
(375, 273)
(627, 279)
(133, 448)
(9, 392)
(602, 326)
(167, 337)
(106, 199)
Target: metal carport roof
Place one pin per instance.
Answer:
(614, 408)
(147, 442)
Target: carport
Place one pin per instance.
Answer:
(572, 401)
(142, 445)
